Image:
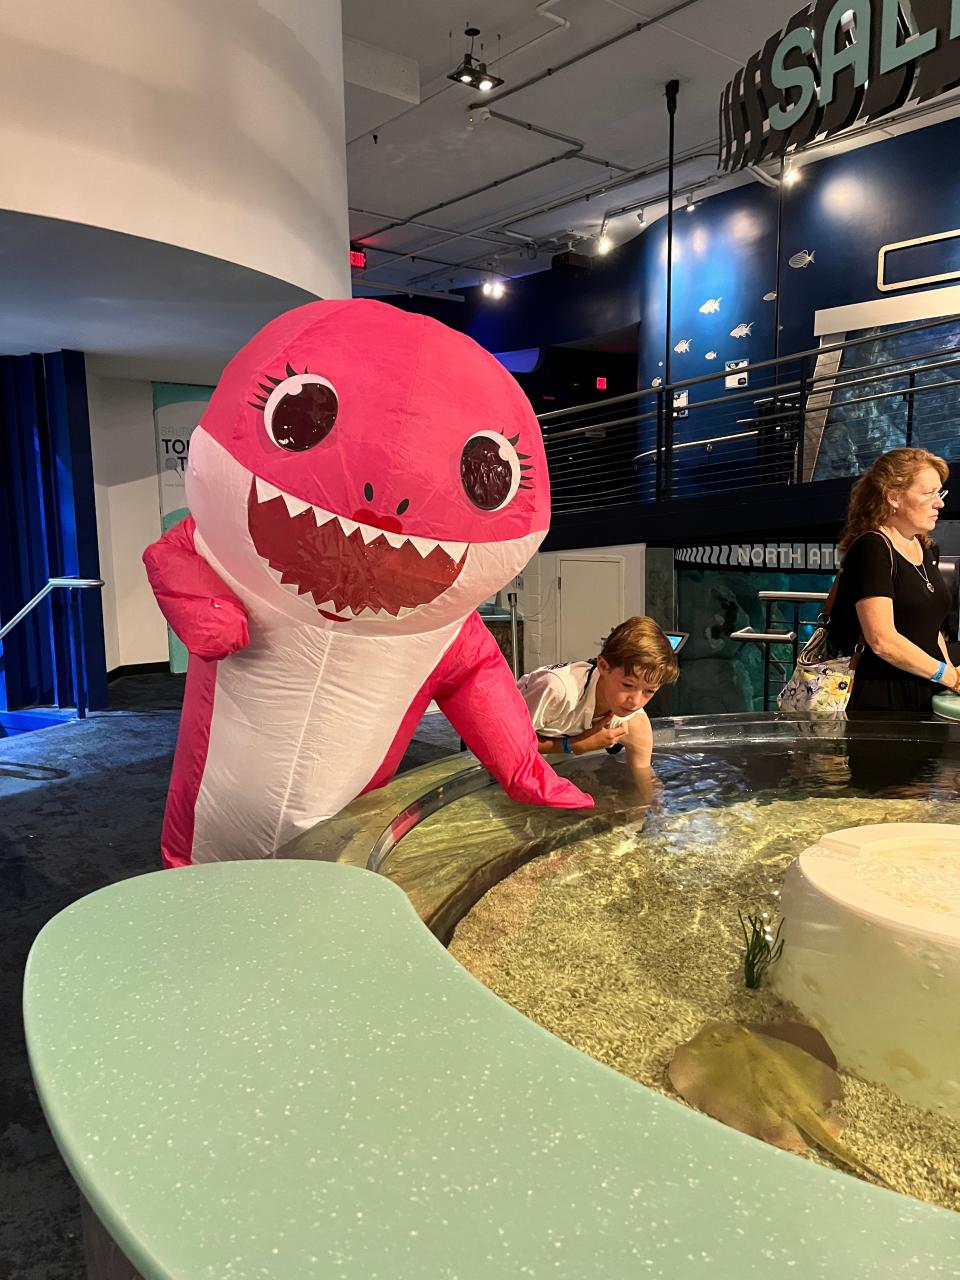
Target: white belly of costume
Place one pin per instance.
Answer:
(302, 719)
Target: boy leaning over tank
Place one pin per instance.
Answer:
(584, 706)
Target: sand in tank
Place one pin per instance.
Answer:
(624, 945)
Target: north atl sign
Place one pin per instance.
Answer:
(809, 557)
(837, 62)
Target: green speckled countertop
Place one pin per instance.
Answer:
(272, 1069)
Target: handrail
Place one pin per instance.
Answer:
(843, 404)
(692, 444)
(76, 622)
(764, 637)
(793, 597)
(69, 583)
(760, 364)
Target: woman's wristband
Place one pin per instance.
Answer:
(939, 673)
(565, 745)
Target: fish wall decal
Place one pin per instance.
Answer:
(771, 296)
(802, 259)
(742, 330)
(711, 306)
(711, 355)
(683, 346)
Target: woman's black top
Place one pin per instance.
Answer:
(918, 614)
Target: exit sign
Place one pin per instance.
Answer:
(358, 258)
(601, 383)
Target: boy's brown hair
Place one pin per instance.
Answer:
(642, 650)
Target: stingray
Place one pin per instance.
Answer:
(774, 1082)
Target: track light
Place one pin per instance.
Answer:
(604, 245)
(487, 288)
(471, 71)
(642, 218)
(690, 203)
(791, 177)
(496, 290)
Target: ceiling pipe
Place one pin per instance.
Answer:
(411, 222)
(417, 257)
(762, 176)
(559, 137)
(475, 191)
(576, 198)
(408, 290)
(586, 53)
(543, 8)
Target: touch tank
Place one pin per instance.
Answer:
(619, 929)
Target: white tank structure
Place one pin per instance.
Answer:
(871, 954)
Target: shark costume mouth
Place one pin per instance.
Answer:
(351, 570)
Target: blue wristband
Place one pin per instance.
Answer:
(566, 745)
(938, 674)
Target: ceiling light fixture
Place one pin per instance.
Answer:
(690, 203)
(472, 71)
(487, 288)
(791, 177)
(642, 218)
(604, 245)
(496, 289)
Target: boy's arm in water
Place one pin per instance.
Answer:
(639, 753)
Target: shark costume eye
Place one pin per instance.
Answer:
(298, 411)
(491, 470)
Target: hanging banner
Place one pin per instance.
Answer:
(837, 62)
(177, 408)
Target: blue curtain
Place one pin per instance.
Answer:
(48, 528)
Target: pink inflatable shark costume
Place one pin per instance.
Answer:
(361, 481)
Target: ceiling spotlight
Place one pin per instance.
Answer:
(690, 203)
(604, 244)
(791, 177)
(471, 71)
(487, 288)
(496, 289)
(642, 218)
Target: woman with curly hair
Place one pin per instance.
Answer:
(891, 598)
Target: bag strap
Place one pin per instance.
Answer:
(831, 600)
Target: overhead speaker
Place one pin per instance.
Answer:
(571, 261)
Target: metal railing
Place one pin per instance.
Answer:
(817, 414)
(72, 586)
(769, 638)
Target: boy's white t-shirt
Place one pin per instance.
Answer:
(562, 699)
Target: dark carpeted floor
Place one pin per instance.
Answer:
(80, 807)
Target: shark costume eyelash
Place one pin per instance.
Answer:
(274, 383)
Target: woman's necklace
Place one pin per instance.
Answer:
(921, 568)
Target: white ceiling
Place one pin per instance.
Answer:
(151, 310)
(486, 195)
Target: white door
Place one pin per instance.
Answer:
(590, 604)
